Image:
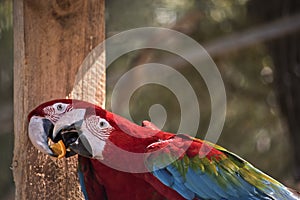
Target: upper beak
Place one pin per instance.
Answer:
(40, 129)
(68, 133)
(69, 129)
(69, 121)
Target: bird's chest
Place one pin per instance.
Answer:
(123, 185)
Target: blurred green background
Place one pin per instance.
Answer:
(258, 126)
(6, 99)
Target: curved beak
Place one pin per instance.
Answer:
(69, 121)
(39, 129)
(69, 129)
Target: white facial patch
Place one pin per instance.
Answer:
(95, 143)
(96, 130)
(54, 111)
(60, 108)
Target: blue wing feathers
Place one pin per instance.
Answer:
(200, 185)
(82, 184)
(172, 178)
(204, 182)
(175, 173)
(164, 176)
(200, 191)
(183, 190)
(227, 177)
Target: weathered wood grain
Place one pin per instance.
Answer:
(51, 39)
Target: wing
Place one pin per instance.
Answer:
(198, 170)
(149, 125)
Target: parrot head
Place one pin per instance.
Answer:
(56, 128)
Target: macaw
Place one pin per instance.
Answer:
(166, 166)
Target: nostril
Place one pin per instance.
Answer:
(69, 137)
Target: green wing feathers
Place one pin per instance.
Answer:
(200, 170)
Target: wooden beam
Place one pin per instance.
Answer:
(51, 39)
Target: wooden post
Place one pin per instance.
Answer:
(51, 39)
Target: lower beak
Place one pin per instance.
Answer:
(74, 139)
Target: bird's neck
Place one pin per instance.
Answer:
(126, 152)
(137, 141)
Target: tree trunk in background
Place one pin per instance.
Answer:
(51, 39)
(286, 57)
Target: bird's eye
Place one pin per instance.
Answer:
(102, 124)
(59, 107)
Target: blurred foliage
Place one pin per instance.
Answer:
(253, 127)
(6, 100)
(5, 15)
(6, 148)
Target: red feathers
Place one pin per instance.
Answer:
(103, 182)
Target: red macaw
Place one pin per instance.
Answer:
(121, 160)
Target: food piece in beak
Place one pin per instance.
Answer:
(59, 149)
